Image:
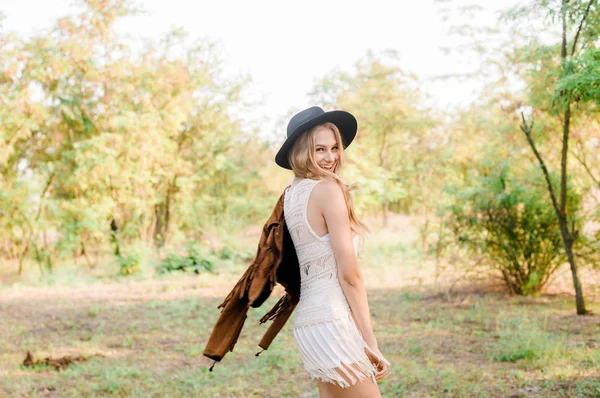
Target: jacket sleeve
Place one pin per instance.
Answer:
(227, 329)
(280, 313)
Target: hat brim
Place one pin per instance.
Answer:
(344, 121)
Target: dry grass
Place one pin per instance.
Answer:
(448, 336)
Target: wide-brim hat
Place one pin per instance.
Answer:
(302, 121)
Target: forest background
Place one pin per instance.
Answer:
(130, 162)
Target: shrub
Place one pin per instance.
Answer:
(513, 225)
(192, 262)
(130, 263)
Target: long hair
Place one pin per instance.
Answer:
(304, 165)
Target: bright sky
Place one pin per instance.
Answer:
(285, 46)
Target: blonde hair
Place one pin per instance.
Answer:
(302, 160)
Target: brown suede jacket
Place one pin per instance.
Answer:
(275, 262)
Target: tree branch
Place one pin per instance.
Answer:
(587, 10)
(563, 161)
(563, 47)
(43, 195)
(527, 130)
(566, 121)
(586, 167)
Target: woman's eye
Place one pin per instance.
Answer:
(319, 149)
(334, 148)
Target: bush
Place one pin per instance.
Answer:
(130, 263)
(513, 225)
(192, 262)
(227, 253)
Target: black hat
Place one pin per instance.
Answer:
(311, 117)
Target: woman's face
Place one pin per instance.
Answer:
(326, 149)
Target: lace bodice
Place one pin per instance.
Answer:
(321, 296)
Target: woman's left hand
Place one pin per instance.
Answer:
(381, 368)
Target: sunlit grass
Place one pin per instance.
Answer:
(149, 334)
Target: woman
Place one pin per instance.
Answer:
(332, 326)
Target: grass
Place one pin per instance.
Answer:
(150, 334)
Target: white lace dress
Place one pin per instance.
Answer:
(331, 346)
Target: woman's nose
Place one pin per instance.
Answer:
(328, 156)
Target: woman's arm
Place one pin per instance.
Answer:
(332, 204)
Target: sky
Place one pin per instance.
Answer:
(286, 46)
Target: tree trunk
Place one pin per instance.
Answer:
(560, 208)
(383, 165)
(114, 236)
(439, 248)
(568, 236)
(49, 263)
(424, 232)
(159, 237)
(568, 241)
(384, 214)
(168, 207)
(87, 259)
(22, 256)
(163, 213)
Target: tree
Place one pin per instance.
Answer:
(572, 81)
(114, 147)
(396, 142)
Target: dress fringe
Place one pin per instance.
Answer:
(334, 352)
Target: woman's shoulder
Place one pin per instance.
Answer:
(328, 190)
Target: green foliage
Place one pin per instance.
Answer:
(117, 147)
(396, 141)
(192, 262)
(129, 263)
(227, 253)
(581, 82)
(138, 146)
(514, 356)
(512, 223)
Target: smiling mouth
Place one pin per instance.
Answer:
(328, 168)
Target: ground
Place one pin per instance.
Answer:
(445, 336)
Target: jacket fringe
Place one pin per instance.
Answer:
(283, 304)
(241, 288)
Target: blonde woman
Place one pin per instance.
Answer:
(332, 326)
